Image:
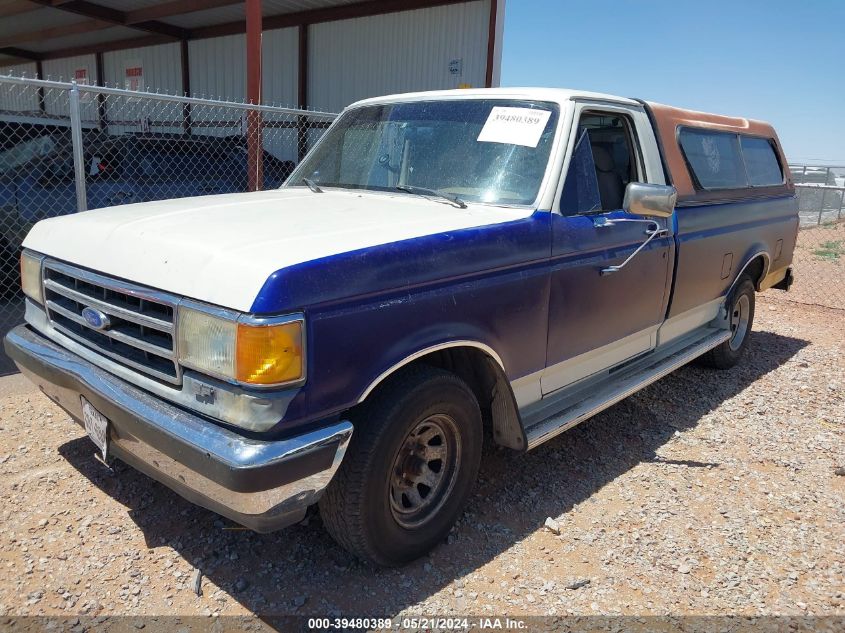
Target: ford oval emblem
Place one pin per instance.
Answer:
(96, 319)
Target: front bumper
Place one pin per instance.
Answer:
(263, 485)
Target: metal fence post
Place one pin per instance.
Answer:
(821, 207)
(78, 154)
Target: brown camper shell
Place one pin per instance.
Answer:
(668, 121)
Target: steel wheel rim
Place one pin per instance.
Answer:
(739, 321)
(424, 471)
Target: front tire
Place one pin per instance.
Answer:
(410, 466)
(741, 318)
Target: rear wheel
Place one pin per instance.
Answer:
(741, 318)
(409, 469)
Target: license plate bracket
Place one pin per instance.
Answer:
(97, 426)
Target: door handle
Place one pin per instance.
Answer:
(601, 222)
(653, 232)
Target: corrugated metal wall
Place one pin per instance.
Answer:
(280, 67)
(160, 71)
(218, 70)
(162, 68)
(398, 52)
(348, 59)
(27, 69)
(16, 100)
(218, 67)
(67, 69)
(280, 86)
(424, 49)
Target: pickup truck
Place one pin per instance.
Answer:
(442, 267)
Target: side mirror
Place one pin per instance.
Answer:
(656, 201)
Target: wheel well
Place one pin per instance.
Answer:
(755, 269)
(488, 383)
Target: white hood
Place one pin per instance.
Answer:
(221, 249)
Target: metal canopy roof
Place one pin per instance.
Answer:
(33, 30)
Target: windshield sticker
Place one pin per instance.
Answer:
(514, 126)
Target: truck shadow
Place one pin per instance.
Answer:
(301, 571)
(11, 313)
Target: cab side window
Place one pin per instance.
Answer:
(603, 163)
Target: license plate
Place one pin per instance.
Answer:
(96, 425)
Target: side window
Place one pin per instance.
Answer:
(581, 189)
(603, 162)
(761, 162)
(714, 158)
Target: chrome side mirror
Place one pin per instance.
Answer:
(654, 201)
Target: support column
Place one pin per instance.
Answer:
(101, 98)
(492, 35)
(255, 175)
(302, 121)
(186, 86)
(39, 74)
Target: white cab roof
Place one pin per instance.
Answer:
(555, 95)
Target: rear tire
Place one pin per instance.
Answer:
(409, 468)
(741, 318)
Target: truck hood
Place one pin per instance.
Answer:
(221, 249)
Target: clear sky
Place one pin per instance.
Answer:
(780, 61)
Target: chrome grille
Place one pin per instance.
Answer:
(141, 332)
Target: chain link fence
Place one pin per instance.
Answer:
(66, 148)
(819, 262)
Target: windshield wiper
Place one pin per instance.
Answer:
(422, 191)
(312, 185)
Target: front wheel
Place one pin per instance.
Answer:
(741, 318)
(409, 469)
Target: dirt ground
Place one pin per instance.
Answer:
(707, 493)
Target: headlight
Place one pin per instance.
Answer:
(31, 276)
(253, 351)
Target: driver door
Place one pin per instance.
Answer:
(599, 319)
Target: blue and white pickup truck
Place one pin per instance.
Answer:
(440, 263)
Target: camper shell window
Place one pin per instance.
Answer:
(725, 160)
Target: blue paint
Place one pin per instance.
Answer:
(369, 309)
(529, 289)
(588, 310)
(705, 233)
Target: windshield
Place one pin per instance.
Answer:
(491, 150)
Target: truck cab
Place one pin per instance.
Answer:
(516, 259)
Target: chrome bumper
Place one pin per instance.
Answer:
(263, 485)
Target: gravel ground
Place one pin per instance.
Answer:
(707, 493)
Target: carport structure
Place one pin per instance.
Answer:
(320, 54)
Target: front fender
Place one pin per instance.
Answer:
(351, 350)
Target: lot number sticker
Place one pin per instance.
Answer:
(515, 126)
